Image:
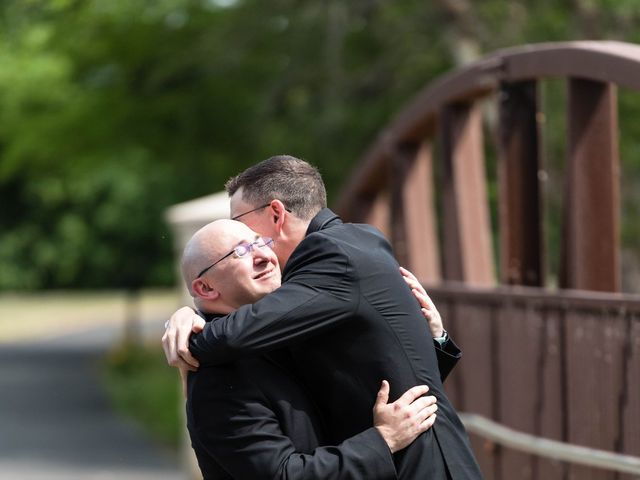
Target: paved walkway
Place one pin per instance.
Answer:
(55, 422)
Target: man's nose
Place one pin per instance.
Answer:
(260, 255)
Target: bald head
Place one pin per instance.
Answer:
(235, 280)
(210, 243)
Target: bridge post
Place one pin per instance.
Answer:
(591, 253)
(467, 245)
(379, 213)
(521, 244)
(415, 240)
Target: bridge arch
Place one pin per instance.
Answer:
(392, 186)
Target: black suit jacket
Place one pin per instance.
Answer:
(249, 419)
(349, 321)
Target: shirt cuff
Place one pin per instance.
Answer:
(443, 339)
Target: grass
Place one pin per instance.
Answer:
(143, 387)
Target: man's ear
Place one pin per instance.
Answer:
(278, 212)
(204, 290)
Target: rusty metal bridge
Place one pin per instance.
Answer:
(551, 376)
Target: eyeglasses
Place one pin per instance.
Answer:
(250, 211)
(242, 250)
(255, 209)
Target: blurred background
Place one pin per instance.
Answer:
(111, 111)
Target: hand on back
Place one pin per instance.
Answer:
(428, 308)
(402, 421)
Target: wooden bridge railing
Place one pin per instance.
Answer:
(559, 365)
(563, 367)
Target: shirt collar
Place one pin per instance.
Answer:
(323, 219)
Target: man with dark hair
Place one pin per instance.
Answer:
(343, 313)
(305, 196)
(249, 418)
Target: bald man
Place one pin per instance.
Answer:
(251, 418)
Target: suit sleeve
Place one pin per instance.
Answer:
(448, 356)
(241, 433)
(320, 292)
(365, 455)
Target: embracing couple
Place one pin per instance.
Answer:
(322, 371)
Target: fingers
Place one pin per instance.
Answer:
(410, 395)
(413, 283)
(423, 403)
(430, 312)
(175, 341)
(169, 347)
(411, 280)
(188, 319)
(418, 290)
(190, 366)
(422, 298)
(383, 394)
(407, 274)
(428, 308)
(428, 423)
(182, 345)
(420, 409)
(426, 412)
(182, 365)
(424, 418)
(402, 421)
(198, 325)
(189, 359)
(166, 346)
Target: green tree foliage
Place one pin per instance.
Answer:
(110, 111)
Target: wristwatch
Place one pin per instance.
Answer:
(442, 339)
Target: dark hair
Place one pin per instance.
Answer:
(294, 182)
